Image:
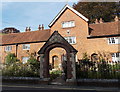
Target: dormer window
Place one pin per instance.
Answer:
(67, 24)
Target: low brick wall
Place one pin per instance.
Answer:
(99, 82)
(25, 80)
(80, 82)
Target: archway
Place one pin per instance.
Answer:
(56, 40)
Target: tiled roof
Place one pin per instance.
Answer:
(108, 28)
(32, 36)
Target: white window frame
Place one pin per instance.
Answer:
(25, 61)
(67, 24)
(114, 40)
(26, 46)
(115, 57)
(8, 48)
(71, 39)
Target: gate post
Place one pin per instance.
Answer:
(72, 80)
(41, 65)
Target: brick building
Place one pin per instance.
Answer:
(92, 39)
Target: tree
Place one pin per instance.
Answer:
(97, 10)
(9, 30)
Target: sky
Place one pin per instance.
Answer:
(30, 14)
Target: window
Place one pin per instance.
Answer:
(24, 59)
(8, 48)
(114, 40)
(68, 24)
(115, 57)
(71, 40)
(26, 46)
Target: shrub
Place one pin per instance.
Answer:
(100, 70)
(55, 74)
(10, 59)
(13, 67)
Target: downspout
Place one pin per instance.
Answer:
(16, 49)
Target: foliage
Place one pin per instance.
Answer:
(55, 74)
(100, 70)
(97, 10)
(10, 58)
(13, 67)
(34, 64)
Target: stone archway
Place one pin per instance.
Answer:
(56, 40)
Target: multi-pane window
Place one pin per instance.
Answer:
(8, 48)
(71, 40)
(114, 40)
(26, 46)
(115, 56)
(24, 59)
(68, 24)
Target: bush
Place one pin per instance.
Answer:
(55, 74)
(34, 65)
(97, 70)
(13, 67)
(10, 59)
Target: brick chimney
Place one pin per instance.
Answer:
(116, 18)
(28, 29)
(42, 27)
(96, 21)
(101, 20)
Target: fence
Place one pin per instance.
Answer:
(97, 70)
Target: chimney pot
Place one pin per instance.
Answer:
(42, 27)
(26, 29)
(39, 28)
(101, 20)
(116, 18)
(29, 29)
(96, 21)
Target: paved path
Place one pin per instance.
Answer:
(53, 88)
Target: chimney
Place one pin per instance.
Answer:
(27, 29)
(39, 28)
(116, 18)
(42, 27)
(101, 20)
(96, 21)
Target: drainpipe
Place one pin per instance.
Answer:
(16, 49)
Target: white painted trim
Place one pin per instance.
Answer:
(64, 8)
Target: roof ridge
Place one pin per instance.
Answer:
(28, 32)
(105, 23)
(63, 9)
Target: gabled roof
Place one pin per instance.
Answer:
(61, 12)
(104, 29)
(26, 37)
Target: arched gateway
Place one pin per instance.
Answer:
(56, 40)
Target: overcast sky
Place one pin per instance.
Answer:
(30, 14)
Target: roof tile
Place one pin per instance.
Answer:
(32, 36)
